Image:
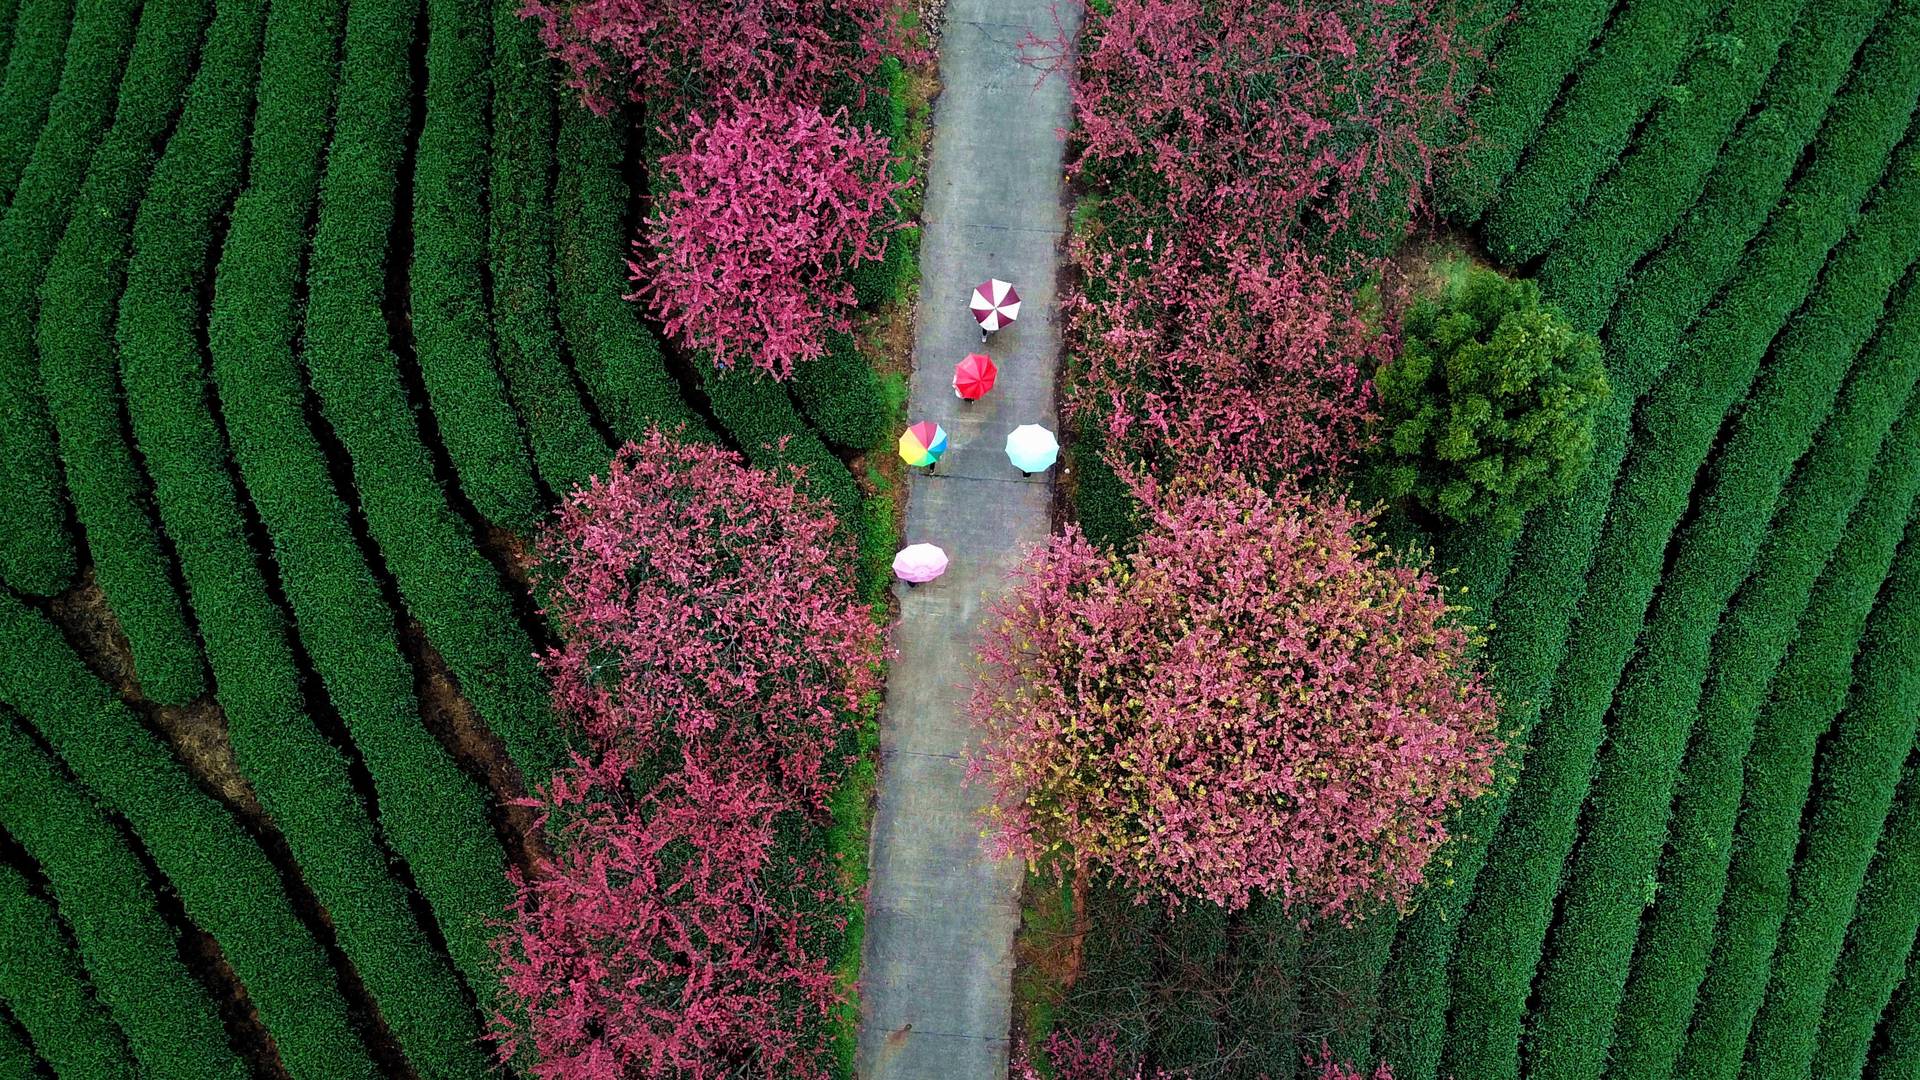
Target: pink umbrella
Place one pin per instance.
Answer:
(918, 563)
(994, 305)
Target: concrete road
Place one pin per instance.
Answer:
(936, 984)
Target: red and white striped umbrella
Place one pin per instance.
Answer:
(994, 304)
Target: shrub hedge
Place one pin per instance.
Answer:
(1854, 788)
(1898, 1052)
(103, 893)
(17, 1061)
(224, 880)
(32, 66)
(1636, 61)
(1676, 427)
(1833, 485)
(1661, 175)
(77, 370)
(453, 342)
(43, 982)
(1625, 825)
(1808, 692)
(1879, 941)
(756, 412)
(431, 813)
(841, 395)
(444, 581)
(301, 778)
(567, 450)
(618, 359)
(1532, 63)
(8, 10)
(36, 554)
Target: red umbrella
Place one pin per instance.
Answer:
(973, 377)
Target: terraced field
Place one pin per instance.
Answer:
(312, 310)
(1705, 653)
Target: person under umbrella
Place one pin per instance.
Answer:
(995, 303)
(1032, 449)
(973, 377)
(919, 563)
(923, 443)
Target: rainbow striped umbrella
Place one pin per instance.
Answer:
(923, 443)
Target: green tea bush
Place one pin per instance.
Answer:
(1676, 429)
(1590, 124)
(17, 1060)
(1833, 506)
(43, 982)
(31, 64)
(1535, 55)
(1898, 1053)
(1879, 941)
(130, 950)
(1633, 208)
(110, 496)
(32, 67)
(1626, 818)
(617, 358)
(432, 814)
(1489, 407)
(841, 395)
(567, 451)
(756, 412)
(36, 554)
(300, 777)
(1854, 787)
(453, 342)
(224, 880)
(446, 584)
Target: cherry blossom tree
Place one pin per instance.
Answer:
(704, 601)
(1255, 701)
(676, 55)
(769, 205)
(1096, 1056)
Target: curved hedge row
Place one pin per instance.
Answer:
(842, 396)
(756, 411)
(1898, 1054)
(432, 814)
(301, 778)
(224, 880)
(618, 359)
(32, 66)
(1635, 206)
(1879, 942)
(36, 553)
(453, 342)
(1590, 124)
(1535, 55)
(1625, 826)
(1676, 429)
(1855, 784)
(445, 582)
(17, 1061)
(567, 450)
(1834, 504)
(8, 10)
(77, 369)
(102, 890)
(43, 982)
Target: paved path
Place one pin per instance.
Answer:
(941, 915)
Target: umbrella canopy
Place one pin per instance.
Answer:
(919, 562)
(923, 443)
(1032, 448)
(974, 376)
(994, 304)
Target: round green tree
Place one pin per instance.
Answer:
(1489, 408)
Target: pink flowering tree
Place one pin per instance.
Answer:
(706, 603)
(652, 944)
(768, 207)
(1253, 362)
(1256, 701)
(1096, 1056)
(678, 54)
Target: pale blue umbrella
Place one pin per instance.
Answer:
(1032, 449)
